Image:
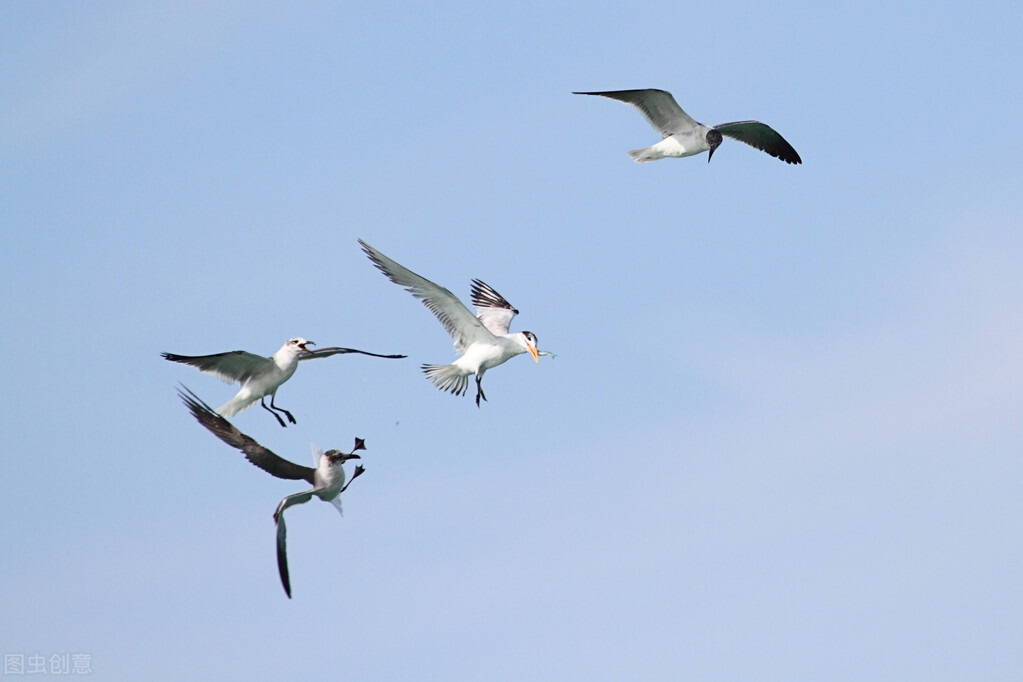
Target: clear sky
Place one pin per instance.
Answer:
(781, 439)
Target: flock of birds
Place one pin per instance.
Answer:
(483, 340)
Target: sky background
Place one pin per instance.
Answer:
(781, 439)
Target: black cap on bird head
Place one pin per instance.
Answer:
(713, 139)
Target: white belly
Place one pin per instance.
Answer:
(480, 357)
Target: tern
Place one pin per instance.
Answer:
(327, 479)
(259, 376)
(685, 137)
(482, 339)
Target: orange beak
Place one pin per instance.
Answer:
(534, 352)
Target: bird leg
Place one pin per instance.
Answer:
(279, 409)
(276, 416)
(359, 470)
(290, 418)
(479, 391)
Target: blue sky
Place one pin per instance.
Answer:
(781, 437)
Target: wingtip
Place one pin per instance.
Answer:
(282, 554)
(191, 399)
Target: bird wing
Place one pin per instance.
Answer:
(492, 309)
(334, 350)
(236, 366)
(459, 322)
(282, 533)
(254, 452)
(658, 107)
(762, 136)
(282, 555)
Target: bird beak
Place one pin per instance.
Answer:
(307, 343)
(534, 352)
(352, 456)
(710, 154)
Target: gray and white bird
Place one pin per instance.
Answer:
(483, 339)
(260, 376)
(327, 478)
(683, 136)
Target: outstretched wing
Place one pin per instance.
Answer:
(492, 309)
(254, 452)
(334, 350)
(763, 137)
(236, 366)
(459, 322)
(658, 107)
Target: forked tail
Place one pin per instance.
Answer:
(644, 155)
(447, 378)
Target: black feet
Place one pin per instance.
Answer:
(479, 391)
(359, 471)
(273, 409)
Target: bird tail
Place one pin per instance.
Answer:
(643, 155)
(447, 378)
(236, 405)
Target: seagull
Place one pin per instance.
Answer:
(259, 376)
(685, 137)
(483, 339)
(327, 479)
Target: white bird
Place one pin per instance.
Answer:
(327, 479)
(685, 137)
(259, 376)
(482, 339)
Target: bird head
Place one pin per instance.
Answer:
(714, 140)
(530, 339)
(298, 345)
(338, 457)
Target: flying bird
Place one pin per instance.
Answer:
(482, 339)
(327, 479)
(685, 137)
(259, 376)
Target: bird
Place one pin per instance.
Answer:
(327, 478)
(683, 136)
(259, 376)
(482, 339)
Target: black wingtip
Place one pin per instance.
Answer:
(193, 402)
(282, 556)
